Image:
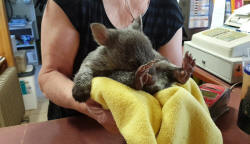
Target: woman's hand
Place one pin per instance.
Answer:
(102, 116)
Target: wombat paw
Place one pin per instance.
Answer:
(80, 94)
(184, 74)
(142, 77)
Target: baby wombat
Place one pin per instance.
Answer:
(126, 55)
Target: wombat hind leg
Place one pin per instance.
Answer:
(142, 76)
(183, 74)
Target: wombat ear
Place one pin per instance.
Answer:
(100, 33)
(137, 24)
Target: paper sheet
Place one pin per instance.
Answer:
(199, 14)
(245, 27)
(218, 13)
(244, 10)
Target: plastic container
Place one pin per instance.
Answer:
(27, 84)
(246, 76)
(244, 109)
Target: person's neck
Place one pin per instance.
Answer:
(137, 7)
(122, 12)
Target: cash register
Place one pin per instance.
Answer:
(220, 51)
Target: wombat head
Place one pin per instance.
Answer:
(132, 36)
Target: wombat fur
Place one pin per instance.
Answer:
(126, 55)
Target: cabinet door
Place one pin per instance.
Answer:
(5, 43)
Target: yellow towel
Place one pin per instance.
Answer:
(176, 115)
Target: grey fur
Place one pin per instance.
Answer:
(119, 55)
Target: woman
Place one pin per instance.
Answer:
(66, 39)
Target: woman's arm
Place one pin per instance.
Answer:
(173, 49)
(59, 44)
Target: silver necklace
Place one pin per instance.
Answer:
(130, 11)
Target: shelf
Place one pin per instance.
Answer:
(27, 26)
(25, 45)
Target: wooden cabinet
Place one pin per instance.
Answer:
(5, 43)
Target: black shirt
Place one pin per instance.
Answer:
(160, 22)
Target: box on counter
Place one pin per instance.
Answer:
(21, 61)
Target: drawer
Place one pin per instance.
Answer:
(211, 63)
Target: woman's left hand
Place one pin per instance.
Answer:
(102, 116)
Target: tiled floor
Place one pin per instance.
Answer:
(39, 114)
